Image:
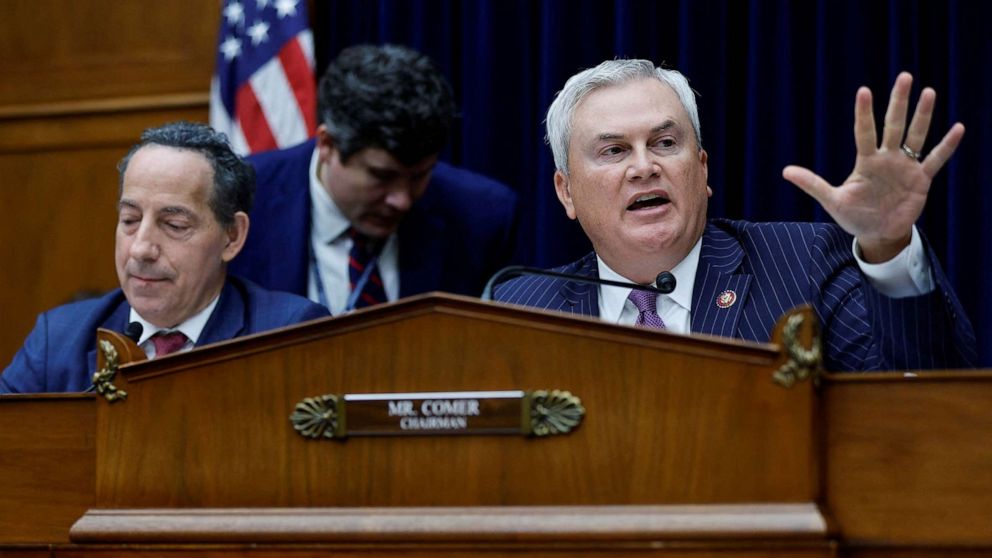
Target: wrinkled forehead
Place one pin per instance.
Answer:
(627, 107)
(169, 160)
(159, 174)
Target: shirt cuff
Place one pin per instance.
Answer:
(907, 274)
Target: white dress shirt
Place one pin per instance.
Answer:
(907, 274)
(331, 247)
(191, 328)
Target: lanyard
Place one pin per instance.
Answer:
(355, 293)
(360, 284)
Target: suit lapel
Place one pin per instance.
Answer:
(117, 321)
(580, 298)
(228, 318)
(719, 293)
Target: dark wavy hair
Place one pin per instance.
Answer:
(234, 179)
(387, 97)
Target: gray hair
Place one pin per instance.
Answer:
(609, 73)
(234, 179)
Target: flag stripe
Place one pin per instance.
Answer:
(277, 102)
(219, 118)
(297, 71)
(238, 141)
(263, 94)
(252, 120)
(305, 38)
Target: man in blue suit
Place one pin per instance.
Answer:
(365, 213)
(183, 215)
(631, 169)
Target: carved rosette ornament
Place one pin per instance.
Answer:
(103, 378)
(803, 362)
(554, 412)
(316, 417)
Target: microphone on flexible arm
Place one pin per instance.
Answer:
(133, 332)
(664, 283)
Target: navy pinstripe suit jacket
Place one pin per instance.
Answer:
(774, 267)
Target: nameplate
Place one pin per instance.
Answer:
(532, 413)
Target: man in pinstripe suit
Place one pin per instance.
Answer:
(632, 171)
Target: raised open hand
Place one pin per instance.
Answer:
(887, 191)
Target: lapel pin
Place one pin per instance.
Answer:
(726, 299)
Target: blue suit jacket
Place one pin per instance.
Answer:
(59, 354)
(773, 267)
(454, 237)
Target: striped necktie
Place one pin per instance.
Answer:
(363, 251)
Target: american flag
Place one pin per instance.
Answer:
(263, 95)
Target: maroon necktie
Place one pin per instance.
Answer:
(166, 343)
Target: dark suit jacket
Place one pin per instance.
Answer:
(773, 267)
(454, 237)
(59, 355)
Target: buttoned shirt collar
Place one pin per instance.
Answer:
(192, 328)
(327, 221)
(613, 299)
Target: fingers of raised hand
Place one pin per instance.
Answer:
(895, 115)
(809, 182)
(864, 123)
(943, 151)
(916, 135)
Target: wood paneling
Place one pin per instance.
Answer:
(734, 549)
(686, 449)
(910, 459)
(76, 125)
(81, 81)
(707, 426)
(47, 464)
(543, 525)
(58, 50)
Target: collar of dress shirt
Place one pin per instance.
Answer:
(612, 299)
(328, 226)
(327, 223)
(191, 328)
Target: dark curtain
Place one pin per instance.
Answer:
(776, 82)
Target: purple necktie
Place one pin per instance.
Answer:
(647, 308)
(166, 343)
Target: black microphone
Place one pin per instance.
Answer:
(134, 330)
(664, 283)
